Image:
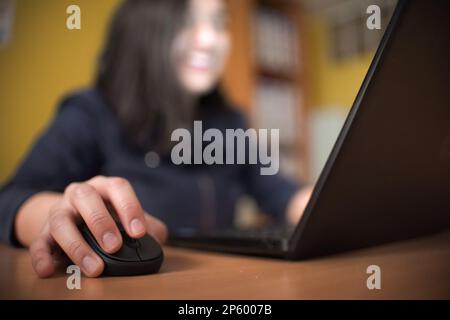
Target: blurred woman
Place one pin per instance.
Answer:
(110, 145)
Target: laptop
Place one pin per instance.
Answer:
(388, 175)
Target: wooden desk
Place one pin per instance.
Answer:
(414, 269)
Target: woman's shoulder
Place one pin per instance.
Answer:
(86, 101)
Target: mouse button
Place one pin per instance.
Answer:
(121, 228)
(149, 249)
(125, 253)
(130, 242)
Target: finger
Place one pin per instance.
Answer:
(156, 228)
(41, 257)
(60, 259)
(65, 232)
(124, 200)
(88, 202)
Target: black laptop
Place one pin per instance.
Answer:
(388, 175)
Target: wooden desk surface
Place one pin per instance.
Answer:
(416, 269)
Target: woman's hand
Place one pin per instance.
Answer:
(298, 204)
(86, 201)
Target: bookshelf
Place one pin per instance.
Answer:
(266, 77)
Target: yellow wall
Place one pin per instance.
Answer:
(43, 61)
(331, 83)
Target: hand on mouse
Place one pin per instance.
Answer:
(60, 237)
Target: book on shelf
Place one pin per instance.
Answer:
(275, 41)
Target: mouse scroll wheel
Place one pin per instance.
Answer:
(130, 242)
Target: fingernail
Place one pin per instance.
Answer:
(110, 241)
(137, 227)
(89, 264)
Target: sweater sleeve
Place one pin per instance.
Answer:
(65, 152)
(271, 192)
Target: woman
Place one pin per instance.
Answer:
(110, 145)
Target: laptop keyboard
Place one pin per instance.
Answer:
(270, 232)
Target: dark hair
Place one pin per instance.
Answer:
(136, 75)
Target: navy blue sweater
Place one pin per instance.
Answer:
(85, 139)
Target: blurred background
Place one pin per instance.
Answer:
(296, 65)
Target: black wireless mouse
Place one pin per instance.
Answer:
(136, 257)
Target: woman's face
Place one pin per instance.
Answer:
(201, 48)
